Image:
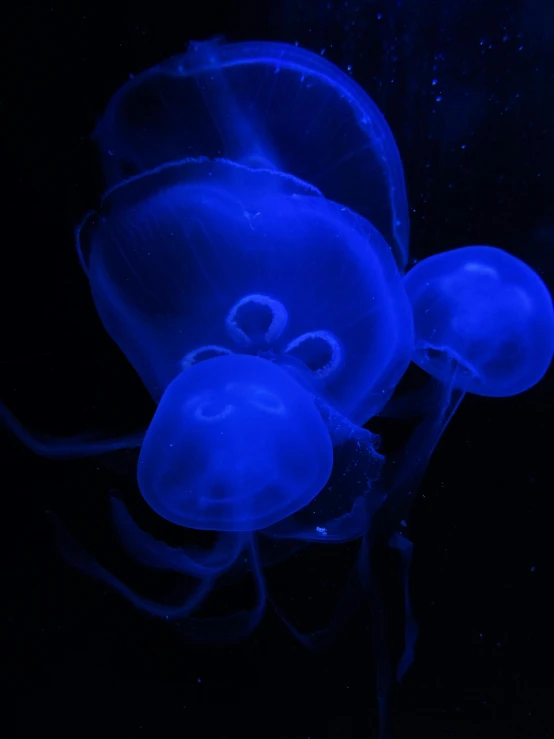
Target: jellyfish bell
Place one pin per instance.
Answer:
(486, 311)
(235, 445)
(206, 258)
(264, 105)
(483, 324)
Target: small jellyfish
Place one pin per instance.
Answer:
(483, 324)
(235, 445)
(483, 321)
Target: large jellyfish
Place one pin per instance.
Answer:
(248, 259)
(263, 105)
(203, 258)
(245, 257)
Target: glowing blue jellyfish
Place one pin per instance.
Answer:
(245, 259)
(205, 258)
(483, 315)
(483, 324)
(267, 105)
(235, 445)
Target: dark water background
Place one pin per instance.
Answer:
(478, 150)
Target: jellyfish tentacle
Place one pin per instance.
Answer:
(81, 560)
(343, 612)
(379, 632)
(237, 625)
(157, 554)
(71, 447)
(405, 548)
(404, 470)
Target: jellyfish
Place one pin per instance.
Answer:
(249, 266)
(267, 323)
(205, 258)
(235, 445)
(264, 105)
(486, 312)
(483, 324)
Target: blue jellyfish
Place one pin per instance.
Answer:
(263, 105)
(205, 258)
(245, 258)
(483, 321)
(483, 324)
(235, 445)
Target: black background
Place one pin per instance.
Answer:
(76, 659)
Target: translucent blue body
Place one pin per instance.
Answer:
(205, 258)
(486, 310)
(266, 105)
(235, 445)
